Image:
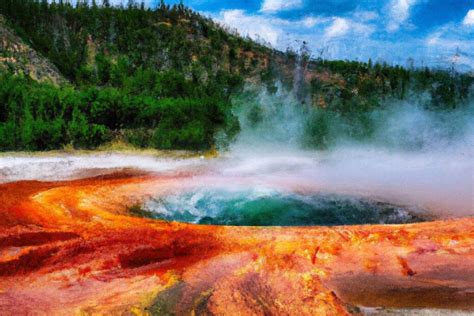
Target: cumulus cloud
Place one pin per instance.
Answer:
(452, 44)
(320, 32)
(355, 35)
(272, 6)
(365, 16)
(255, 26)
(311, 21)
(344, 26)
(339, 27)
(271, 29)
(469, 18)
(399, 12)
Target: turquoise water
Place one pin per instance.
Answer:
(259, 207)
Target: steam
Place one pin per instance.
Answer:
(400, 153)
(274, 120)
(268, 120)
(408, 126)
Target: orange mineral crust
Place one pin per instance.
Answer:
(71, 248)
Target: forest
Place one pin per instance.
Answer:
(166, 78)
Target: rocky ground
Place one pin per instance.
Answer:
(19, 58)
(70, 247)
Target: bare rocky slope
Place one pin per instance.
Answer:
(18, 57)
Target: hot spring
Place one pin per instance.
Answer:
(269, 207)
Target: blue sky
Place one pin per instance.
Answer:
(437, 33)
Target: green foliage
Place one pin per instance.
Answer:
(39, 116)
(135, 76)
(360, 87)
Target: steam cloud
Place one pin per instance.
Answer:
(412, 156)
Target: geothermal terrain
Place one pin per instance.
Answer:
(265, 226)
(117, 233)
(304, 186)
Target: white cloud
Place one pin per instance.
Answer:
(311, 21)
(452, 43)
(275, 31)
(399, 12)
(344, 26)
(469, 18)
(365, 16)
(255, 26)
(339, 27)
(452, 36)
(280, 5)
(434, 39)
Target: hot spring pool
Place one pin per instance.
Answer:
(262, 207)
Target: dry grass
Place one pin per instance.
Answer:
(117, 146)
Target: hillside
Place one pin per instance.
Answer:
(167, 77)
(89, 44)
(18, 57)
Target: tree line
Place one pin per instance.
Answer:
(40, 116)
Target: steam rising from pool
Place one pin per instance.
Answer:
(402, 152)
